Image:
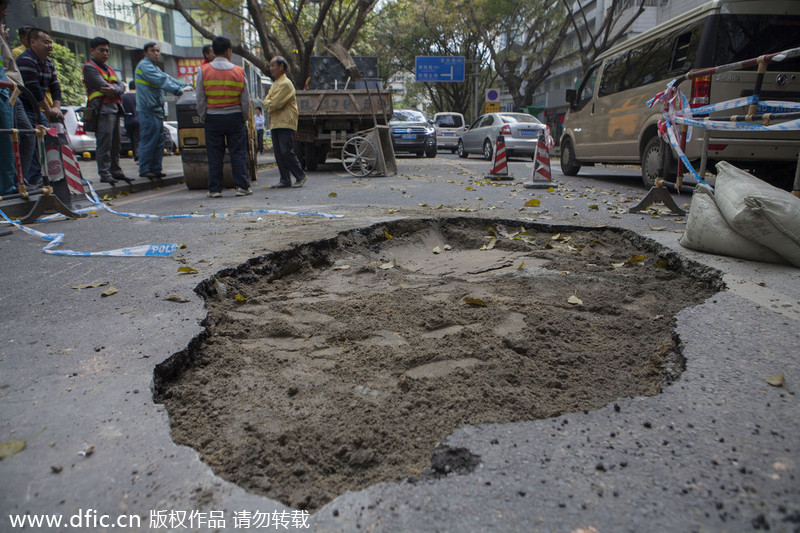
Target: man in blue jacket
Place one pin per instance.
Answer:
(151, 82)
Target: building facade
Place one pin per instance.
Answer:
(128, 26)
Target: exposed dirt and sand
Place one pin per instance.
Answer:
(330, 368)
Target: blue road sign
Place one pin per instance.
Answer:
(440, 68)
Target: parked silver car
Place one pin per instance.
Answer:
(520, 132)
(85, 142)
(82, 142)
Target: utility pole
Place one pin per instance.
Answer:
(476, 76)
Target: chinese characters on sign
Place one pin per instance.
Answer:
(440, 68)
(188, 69)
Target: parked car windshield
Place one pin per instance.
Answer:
(408, 115)
(519, 117)
(449, 121)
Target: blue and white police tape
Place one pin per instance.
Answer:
(719, 125)
(56, 239)
(673, 140)
(773, 106)
(92, 197)
(713, 108)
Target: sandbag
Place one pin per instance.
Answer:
(766, 214)
(708, 231)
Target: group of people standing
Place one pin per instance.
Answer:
(223, 103)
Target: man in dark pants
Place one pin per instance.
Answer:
(223, 102)
(103, 96)
(39, 74)
(151, 82)
(26, 142)
(282, 107)
(131, 120)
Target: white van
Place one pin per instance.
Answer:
(448, 127)
(609, 121)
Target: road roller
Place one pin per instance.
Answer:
(192, 144)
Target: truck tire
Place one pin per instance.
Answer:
(310, 159)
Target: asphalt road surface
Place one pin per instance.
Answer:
(718, 450)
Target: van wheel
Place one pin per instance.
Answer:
(461, 152)
(488, 151)
(651, 162)
(569, 166)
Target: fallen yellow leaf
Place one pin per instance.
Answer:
(777, 380)
(574, 300)
(109, 292)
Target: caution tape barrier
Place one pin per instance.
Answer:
(145, 250)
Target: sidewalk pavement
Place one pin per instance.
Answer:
(172, 167)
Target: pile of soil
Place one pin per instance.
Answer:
(344, 363)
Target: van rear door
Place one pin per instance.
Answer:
(743, 36)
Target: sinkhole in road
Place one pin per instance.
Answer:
(342, 363)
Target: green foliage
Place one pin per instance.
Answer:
(404, 29)
(70, 75)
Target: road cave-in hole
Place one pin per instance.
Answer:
(344, 362)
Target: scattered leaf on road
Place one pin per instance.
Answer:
(777, 380)
(176, 298)
(390, 264)
(574, 300)
(635, 260)
(13, 447)
(533, 202)
(92, 285)
(386, 234)
(332, 195)
(109, 292)
(186, 270)
(490, 244)
(475, 302)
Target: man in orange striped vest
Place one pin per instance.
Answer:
(103, 109)
(223, 102)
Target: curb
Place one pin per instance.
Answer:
(19, 208)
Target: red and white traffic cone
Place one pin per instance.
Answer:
(542, 178)
(499, 165)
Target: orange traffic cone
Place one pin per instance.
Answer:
(541, 179)
(499, 165)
